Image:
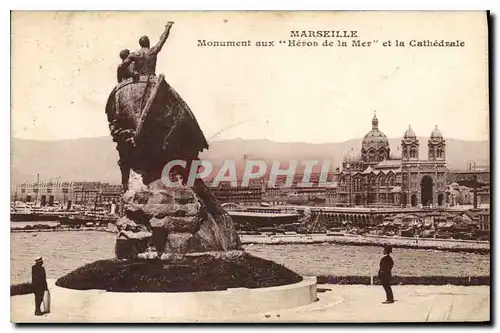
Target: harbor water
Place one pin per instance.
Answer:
(66, 251)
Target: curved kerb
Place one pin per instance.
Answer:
(102, 306)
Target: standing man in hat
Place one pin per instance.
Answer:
(39, 284)
(385, 275)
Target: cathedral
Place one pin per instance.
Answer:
(375, 178)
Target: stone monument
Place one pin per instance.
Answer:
(172, 237)
(152, 126)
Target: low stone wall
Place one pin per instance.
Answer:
(431, 240)
(408, 280)
(21, 289)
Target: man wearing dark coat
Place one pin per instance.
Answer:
(385, 275)
(38, 283)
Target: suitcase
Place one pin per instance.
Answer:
(46, 302)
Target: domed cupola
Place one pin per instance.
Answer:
(375, 146)
(409, 145)
(352, 161)
(351, 156)
(409, 134)
(436, 134)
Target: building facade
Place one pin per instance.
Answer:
(375, 178)
(459, 195)
(72, 193)
(485, 220)
(241, 195)
(47, 193)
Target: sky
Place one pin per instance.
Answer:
(64, 67)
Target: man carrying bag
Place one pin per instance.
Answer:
(39, 285)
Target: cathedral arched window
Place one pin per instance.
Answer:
(440, 152)
(405, 154)
(413, 152)
(382, 181)
(382, 156)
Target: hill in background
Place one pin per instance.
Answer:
(95, 159)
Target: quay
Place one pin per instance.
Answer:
(60, 229)
(267, 216)
(417, 227)
(425, 222)
(357, 215)
(452, 245)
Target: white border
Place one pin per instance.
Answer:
(492, 5)
(255, 5)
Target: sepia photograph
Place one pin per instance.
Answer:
(250, 167)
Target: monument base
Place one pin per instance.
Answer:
(196, 272)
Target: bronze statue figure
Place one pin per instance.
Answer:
(145, 58)
(152, 125)
(125, 69)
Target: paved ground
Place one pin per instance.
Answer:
(348, 303)
(359, 303)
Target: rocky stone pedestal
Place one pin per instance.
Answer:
(180, 220)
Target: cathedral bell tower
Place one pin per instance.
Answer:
(409, 146)
(437, 146)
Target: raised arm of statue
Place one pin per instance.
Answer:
(163, 38)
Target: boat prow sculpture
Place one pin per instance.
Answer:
(152, 125)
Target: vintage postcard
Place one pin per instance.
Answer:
(257, 167)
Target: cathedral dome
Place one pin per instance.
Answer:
(436, 133)
(409, 134)
(375, 138)
(351, 156)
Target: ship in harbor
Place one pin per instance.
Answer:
(24, 212)
(77, 216)
(86, 218)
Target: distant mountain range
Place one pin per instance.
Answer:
(95, 159)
